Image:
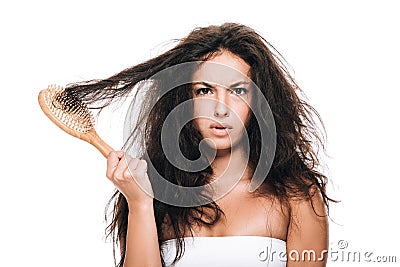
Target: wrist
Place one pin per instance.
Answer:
(142, 205)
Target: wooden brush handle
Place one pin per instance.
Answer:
(93, 138)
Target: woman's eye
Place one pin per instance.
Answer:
(239, 91)
(203, 91)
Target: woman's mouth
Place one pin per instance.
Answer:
(220, 129)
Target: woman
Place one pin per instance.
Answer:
(286, 212)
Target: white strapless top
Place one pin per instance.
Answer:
(227, 251)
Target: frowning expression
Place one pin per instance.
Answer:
(222, 95)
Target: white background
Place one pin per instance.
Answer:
(53, 189)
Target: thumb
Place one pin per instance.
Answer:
(113, 160)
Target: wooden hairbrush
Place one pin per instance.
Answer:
(72, 116)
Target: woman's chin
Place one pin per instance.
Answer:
(218, 144)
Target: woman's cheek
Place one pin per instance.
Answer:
(199, 123)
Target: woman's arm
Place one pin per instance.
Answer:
(141, 240)
(307, 240)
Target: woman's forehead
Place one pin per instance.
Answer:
(220, 74)
(224, 69)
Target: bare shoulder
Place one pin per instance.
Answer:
(308, 209)
(307, 239)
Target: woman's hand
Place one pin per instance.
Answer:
(129, 175)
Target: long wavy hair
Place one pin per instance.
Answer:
(295, 170)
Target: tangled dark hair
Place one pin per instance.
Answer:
(295, 168)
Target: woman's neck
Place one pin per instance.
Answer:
(230, 163)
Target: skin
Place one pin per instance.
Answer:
(245, 214)
(222, 94)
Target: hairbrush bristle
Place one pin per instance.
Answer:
(69, 110)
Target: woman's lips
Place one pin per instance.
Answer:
(220, 132)
(220, 129)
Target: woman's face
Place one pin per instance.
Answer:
(221, 100)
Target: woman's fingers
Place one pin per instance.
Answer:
(131, 166)
(113, 161)
(142, 166)
(138, 170)
(129, 175)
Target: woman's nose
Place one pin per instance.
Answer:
(221, 109)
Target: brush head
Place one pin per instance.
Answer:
(66, 109)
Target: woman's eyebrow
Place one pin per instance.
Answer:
(239, 83)
(203, 83)
(235, 84)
